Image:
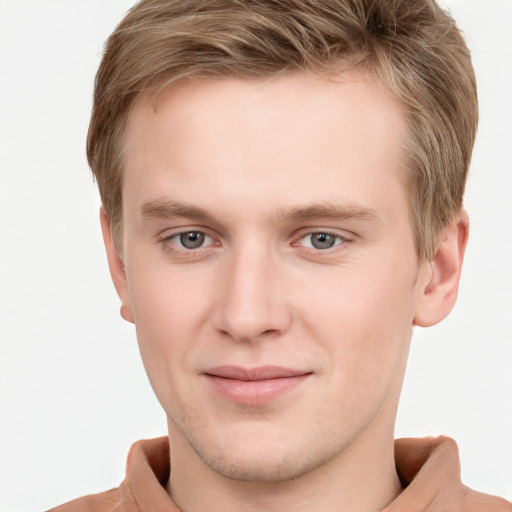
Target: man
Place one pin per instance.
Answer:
(282, 189)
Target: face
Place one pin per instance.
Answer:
(270, 267)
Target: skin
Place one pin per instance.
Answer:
(264, 170)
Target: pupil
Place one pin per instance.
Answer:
(192, 240)
(322, 240)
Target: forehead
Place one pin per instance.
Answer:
(315, 138)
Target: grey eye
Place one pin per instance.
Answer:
(192, 239)
(321, 240)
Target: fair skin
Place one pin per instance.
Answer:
(269, 265)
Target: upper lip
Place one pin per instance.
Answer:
(254, 374)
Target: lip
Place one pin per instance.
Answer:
(254, 386)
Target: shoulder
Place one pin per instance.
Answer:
(429, 469)
(108, 501)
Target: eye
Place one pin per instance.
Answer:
(191, 240)
(321, 240)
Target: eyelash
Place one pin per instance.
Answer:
(175, 247)
(339, 240)
(171, 242)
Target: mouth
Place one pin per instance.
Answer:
(254, 386)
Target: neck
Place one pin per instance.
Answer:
(363, 478)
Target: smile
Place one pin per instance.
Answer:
(254, 386)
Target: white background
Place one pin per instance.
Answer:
(74, 395)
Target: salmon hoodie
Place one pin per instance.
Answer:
(429, 470)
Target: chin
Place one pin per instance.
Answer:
(272, 469)
(265, 459)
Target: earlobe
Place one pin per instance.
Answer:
(439, 282)
(116, 266)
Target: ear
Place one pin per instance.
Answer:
(116, 266)
(439, 278)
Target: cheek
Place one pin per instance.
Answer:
(170, 309)
(365, 321)
(167, 299)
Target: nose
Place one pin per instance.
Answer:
(252, 303)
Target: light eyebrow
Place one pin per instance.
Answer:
(165, 209)
(328, 211)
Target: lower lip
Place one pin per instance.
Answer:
(254, 392)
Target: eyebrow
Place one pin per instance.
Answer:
(166, 209)
(328, 211)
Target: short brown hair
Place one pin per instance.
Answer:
(413, 47)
